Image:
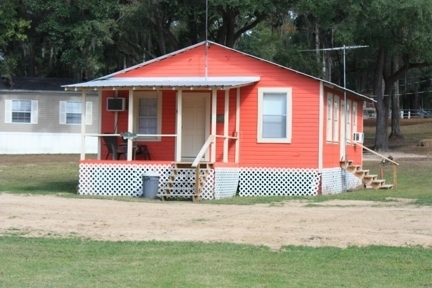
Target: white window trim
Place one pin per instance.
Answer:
(63, 114)
(348, 121)
(354, 117)
(144, 94)
(329, 118)
(33, 114)
(288, 91)
(336, 118)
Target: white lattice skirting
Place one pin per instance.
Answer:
(279, 182)
(111, 179)
(333, 181)
(227, 182)
(126, 179)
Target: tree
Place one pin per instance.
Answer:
(393, 30)
(12, 30)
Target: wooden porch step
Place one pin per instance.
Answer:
(188, 165)
(194, 197)
(386, 186)
(361, 173)
(178, 188)
(182, 173)
(353, 168)
(369, 180)
(345, 164)
(377, 184)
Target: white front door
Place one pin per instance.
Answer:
(195, 124)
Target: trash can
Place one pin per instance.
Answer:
(150, 184)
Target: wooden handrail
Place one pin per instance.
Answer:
(203, 150)
(395, 164)
(370, 150)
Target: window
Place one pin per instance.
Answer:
(348, 120)
(70, 112)
(354, 117)
(336, 118)
(329, 130)
(148, 114)
(21, 111)
(274, 115)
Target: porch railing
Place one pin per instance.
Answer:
(203, 150)
(137, 137)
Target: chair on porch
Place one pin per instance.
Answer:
(137, 150)
(112, 146)
(143, 150)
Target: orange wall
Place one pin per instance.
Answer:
(159, 150)
(331, 151)
(302, 152)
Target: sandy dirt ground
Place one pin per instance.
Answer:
(332, 223)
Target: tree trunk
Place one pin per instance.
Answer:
(381, 138)
(32, 62)
(395, 117)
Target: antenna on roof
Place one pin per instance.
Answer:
(206, 41)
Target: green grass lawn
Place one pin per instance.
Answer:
(38, 262)
(72, 262)
(42, 175)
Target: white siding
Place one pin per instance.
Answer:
(45, 143)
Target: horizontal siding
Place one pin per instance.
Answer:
(48, 112)
(188, 63)
(45, 143)
(301, 152)
(331, 151)
(159, 150)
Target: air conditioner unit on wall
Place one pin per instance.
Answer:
(116, 104)
(358, 137)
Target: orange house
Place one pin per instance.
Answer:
(256, 127)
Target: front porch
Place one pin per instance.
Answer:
(193, 124)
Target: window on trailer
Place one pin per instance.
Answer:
(70, 112)
(21, 111)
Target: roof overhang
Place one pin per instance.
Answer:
(165, 83)
(353, 93)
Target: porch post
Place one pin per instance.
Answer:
(226, 126)
(83, 122)
(213, 124)
(237, 144)
(100, 123)
(321, 127)
(130, 124)
(178, 126)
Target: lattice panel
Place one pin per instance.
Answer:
(227, 180)
(118, 179)
(185, 183)
(353, 182)
(333, 179)
(279, 182)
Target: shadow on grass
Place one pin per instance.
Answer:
(51, 187)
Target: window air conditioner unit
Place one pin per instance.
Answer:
(358, 137)
(116, 104)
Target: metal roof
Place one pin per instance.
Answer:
(95, 83)
(167, 82)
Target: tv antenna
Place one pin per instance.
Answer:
(343, 48)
